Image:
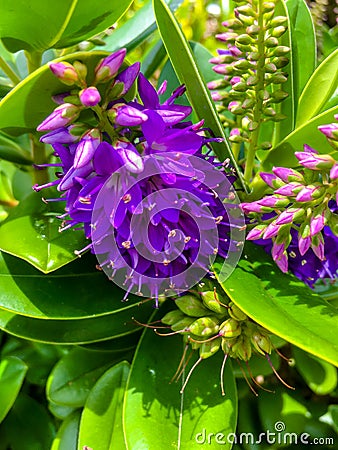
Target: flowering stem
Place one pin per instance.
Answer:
(104, 123)
(259, 88)
(38, 148)
(6, 68)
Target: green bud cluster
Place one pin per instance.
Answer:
(253, 70)
(209, 325)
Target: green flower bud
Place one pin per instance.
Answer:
(236, 313)
(183, 324)
(211, 301)
(209, 348)
(253, 56)
(246, 20)
(234, 24)
(271, 42)
(191, 306)
(278, 96)
(172, 317)
(278, 117)
(271, 68)
(278, 31)
(230, 328)
(247, 10)
(239, 87)
(243, 64)
(280, 61)
(81, 70)
(276, 78)
(268, 6)
(281, 50)
(277, 21)
(261, 342)
(252, 80)
(248, 103)
(242, 349)
(205, 326)
(253, 30)
(244, 39)
(265, 145)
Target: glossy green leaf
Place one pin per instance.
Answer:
(30, 101)
(283, 304)
(12, 375)
(27, 415)
(11, 151)
(55, 24)
(187, 70)
(66, 438)
(302, 37)
(65, 294)
(60, 411)
(157, 416)
(83, 331)
(138, 28)
(75, 374)
(101, 420)
(319, 375)
(319, 89)
(308, 133)
(41, 243)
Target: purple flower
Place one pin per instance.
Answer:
(127, 77)
(330, 130)
(334, 172)
(86, 148)
(90, 96)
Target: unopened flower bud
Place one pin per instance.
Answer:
(61, 116)
(272, 230)
(65, 72)
(86, 148)
(212, 302)
(209, 348)
(330, 130)
(172, 317)
(230, 328)
(310, 192)
(191, 306)
(274, 201)
(236, 313)
(271, 42)
(241, 349)
(109, 66)
(314, 161)
(90, 96)
(334, 172)
(183, 324)
(289, 216)
(290, 189)
(271, 180)
(205, 326)
(261, 342)
(317, 245)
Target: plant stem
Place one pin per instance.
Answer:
(38, 148)
(259, 89)
(6, 68)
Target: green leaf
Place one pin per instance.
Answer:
(60, 411)
(136, 29)
(55, 24)
(68, 294)
(187, 70)
(283, 304)
(157, 416)
(28, 426)
(41, 244)
(101, 420)
(30, 101)
(283, 154)
(13, 152)
(319, 89)
(302, 37)
(66, 438)
(12, 375)
(75, 374)
(320, 376)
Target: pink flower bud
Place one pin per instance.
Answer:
(315, 162)
(289, 215)
(271, 180)
(86, 148)
(330, 130)
(256, 233)
(304, 244)
(129, 116)
(309, 193)
(65, 72)
(334, 172)
(282, 262)
(317, 223)
(61, 116)
(271, 230)
(290, 189)
(109, 66)
(317, 246)
(90, 96)
(274, 201)
(277, 250)
(288, 175)
(254, 207)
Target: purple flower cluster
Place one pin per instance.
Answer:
(298, 222)
(162, 179)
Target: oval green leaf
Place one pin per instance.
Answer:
(55, 24)
(283, 304)
(101, 420)
(66, 437)
(319, 89)
(188, 72)
(157, 416)
(40, 243)
(75, 374)
(319, 375)
(12, 375)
